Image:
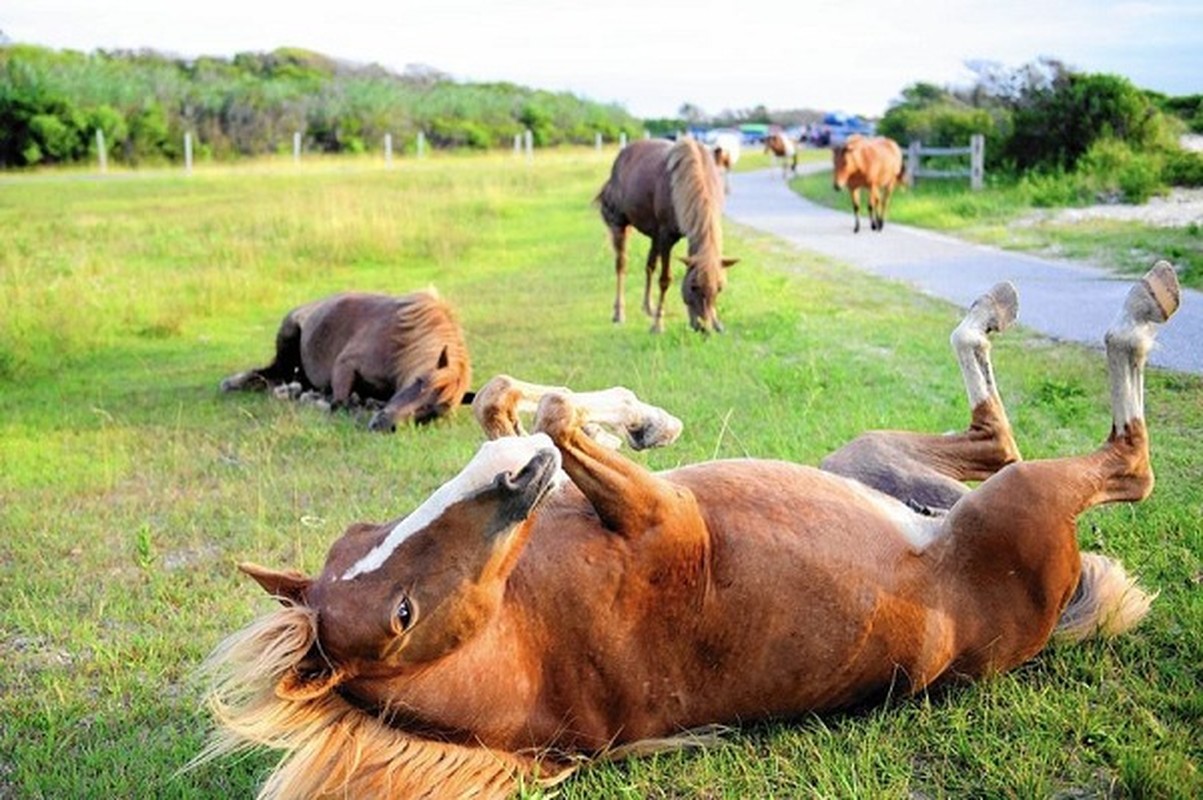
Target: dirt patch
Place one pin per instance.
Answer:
(1178, 209)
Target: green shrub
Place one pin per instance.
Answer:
(1183, 168)
(1114, 170)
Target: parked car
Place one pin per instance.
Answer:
(836, 128)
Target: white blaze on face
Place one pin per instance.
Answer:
(508, 454)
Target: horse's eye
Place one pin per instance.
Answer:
(404, 613)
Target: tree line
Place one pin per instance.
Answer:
(53, 102)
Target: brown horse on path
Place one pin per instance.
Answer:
(515, 622)
(668, 190)
(784, 151)
(406, 351)
(873, 162)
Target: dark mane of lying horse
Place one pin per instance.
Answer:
(427, 330)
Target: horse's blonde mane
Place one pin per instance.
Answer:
(331, 748)
(425, 325)
(697, 195)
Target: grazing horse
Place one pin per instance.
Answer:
(407, 351)
(874, 162)
(518, 620)
(784, 152)
(668, 190)
(726, 149)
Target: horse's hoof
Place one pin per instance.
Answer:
(382, 423)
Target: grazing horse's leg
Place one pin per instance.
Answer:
(652, 254)
(1013, 540)
(498, 404)
(666, 280)
(285, 367)
(618, 238)
(629, 500)
(926, 471)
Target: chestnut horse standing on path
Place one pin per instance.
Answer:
(514, 621)
(875, 163)
(668, 190)
(406, 351)
(784, 151)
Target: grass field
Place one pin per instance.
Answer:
(1001, 215)
(129, 487)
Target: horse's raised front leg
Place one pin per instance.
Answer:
(628, 499)
(927, 471)
(498, 406)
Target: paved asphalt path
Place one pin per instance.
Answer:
(1066, 301)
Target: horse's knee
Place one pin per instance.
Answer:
(557, 416)
(496, 407)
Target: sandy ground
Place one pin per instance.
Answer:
(1177, 210)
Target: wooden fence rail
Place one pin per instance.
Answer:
(975, 172)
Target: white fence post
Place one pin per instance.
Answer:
(622, 140)
(597, 141)
(912, 162)
(100, 152)
(388, 150)
(977, 159)
(517, 144)
(529, 138)
(421, 144)
(188, 152)
(647, 134)
(296, 147)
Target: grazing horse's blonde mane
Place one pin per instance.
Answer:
(331, 748)
(697, 199)
(425, 325)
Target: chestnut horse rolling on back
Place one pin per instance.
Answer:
(406, 351)
(873, 162)
(668, 190)
(515, 622)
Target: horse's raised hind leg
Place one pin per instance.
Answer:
(498, 405)
(1014, 538)
(629, 500)
(618, 238)
(925, 470)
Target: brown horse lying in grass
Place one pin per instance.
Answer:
(873, 162)
(407, 351)
(668, 190)
(515, 623)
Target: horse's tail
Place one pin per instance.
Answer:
(1106, 603)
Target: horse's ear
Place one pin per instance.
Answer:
(730, 262)
(688, 262)
(289, 586)
(299, 686)
(444, 359)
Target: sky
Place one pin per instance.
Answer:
(652, 57)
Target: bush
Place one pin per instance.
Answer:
(1183, 168)
(1114, 171)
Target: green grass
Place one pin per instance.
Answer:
(1002, 215)
(129, 487)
